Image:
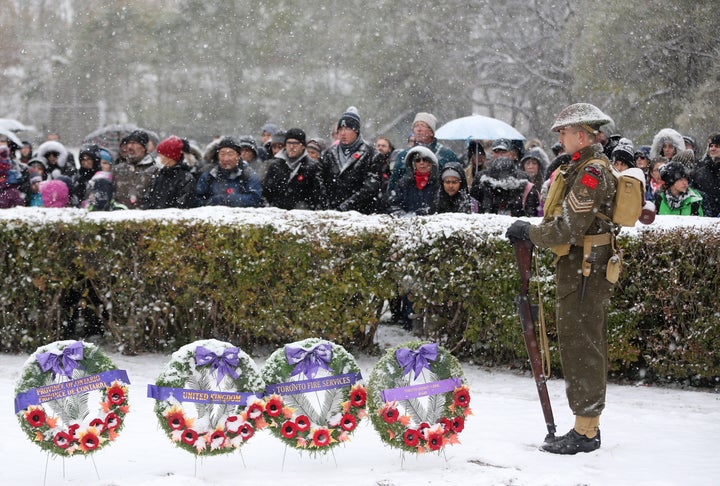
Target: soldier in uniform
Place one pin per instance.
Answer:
(577, 226)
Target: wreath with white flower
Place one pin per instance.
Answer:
(418, 397)
(208, 398)
(314, 398)
(54, 396)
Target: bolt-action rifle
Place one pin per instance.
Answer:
(523, 253)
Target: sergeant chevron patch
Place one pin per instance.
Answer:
(579, 206)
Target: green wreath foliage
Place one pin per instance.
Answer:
(315, 421)
(422, 424)
(72, 424)
(207, 429)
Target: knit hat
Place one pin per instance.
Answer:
(172, 148)
(685, 157)
(279, 137)
(349, 119)
(228, 142)
(427, 118)
(643, 150)
(714, 139)
(92, 151)
(672, 172)
(105, 156)
(624, 152)
(315, 145)
(138, 136)
(450, 173)
(270, 128)
(35, 176)
(473, 147)
(299, 135)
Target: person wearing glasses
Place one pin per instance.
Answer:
(706, 177)
(416, 193)
(293, 179)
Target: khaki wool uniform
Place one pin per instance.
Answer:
(582, 189)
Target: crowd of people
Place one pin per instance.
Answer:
(290, 171)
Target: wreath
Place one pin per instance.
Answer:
(418, 397)
(207, 397)
(314, 398)
(58, 384)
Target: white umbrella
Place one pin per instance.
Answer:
(11, 136)
(13, 125)
(477, 127)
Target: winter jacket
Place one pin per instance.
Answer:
(706, 179)
(171, 187)
(505, 189)
(65, 162)
(407, 198)
(132, 181)
(443, 154)
(238, 188)
(461, 202)
(355, 187)
(666, 135)
(294, 186)
(691, 204)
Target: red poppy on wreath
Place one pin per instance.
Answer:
(112, 421)
(246, 431)
(72, 429)
(434, 438)
(35, 416)
(458, 424)
(302, 422)
(175, 419)
(62, 440)
(576, 156)
(321, 437)
(189, 436)
(217, 438)
(289, 429)
(348, 422)
(358, 396)
(255, 410)
(411, 437)
(89, 440)
(446, 424)
(116, 394)
(462, 396)
(389, 413)
(274, 406)
(99, 424)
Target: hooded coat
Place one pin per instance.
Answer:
(706, 179)
(171, 187)
(407, 198)
(461, 202)
(501, 189)
(65, 164)
(666, 134)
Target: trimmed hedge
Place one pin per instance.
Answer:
(161, 279)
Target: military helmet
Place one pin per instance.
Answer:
(585, 115)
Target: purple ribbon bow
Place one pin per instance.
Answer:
(223, 365)
(308, 361)
(63, 363)
(416, 360)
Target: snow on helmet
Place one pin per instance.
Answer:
(585, 115)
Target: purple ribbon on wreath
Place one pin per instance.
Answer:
(309, 361)
(223, 365)
(64, 363)
(416, 360)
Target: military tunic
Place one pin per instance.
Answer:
(571, 214)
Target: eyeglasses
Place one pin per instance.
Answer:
(423, 161)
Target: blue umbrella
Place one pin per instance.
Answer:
(477, 127)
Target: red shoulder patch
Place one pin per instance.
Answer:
(589, 181)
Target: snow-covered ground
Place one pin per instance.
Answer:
(651, 436)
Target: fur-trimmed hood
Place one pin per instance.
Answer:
(503, 174)
(666, 134)
(54, 146)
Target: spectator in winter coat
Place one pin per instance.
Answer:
(55, 194)
(133, 173)
(622, 156)
(476, 160)
(232, 182)
(10, 196)
(453, 196)
(89, 164)
(423, 133)
(505, 189)
(101, 193)
(706, 177)
(57, 157)
(667, 143)
(535, 163)
(33, 198)
(655, 183)
(350, 170)
(678, 198)
(251, 155)
(293, 179)
(172, 186)
(416, 193)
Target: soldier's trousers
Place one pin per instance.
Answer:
(582, 330)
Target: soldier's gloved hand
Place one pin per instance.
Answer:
(518, 231)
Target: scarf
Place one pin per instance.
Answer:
(676, 201)
(421, 180)
(346, 152)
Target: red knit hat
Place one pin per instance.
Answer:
(171, 147)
